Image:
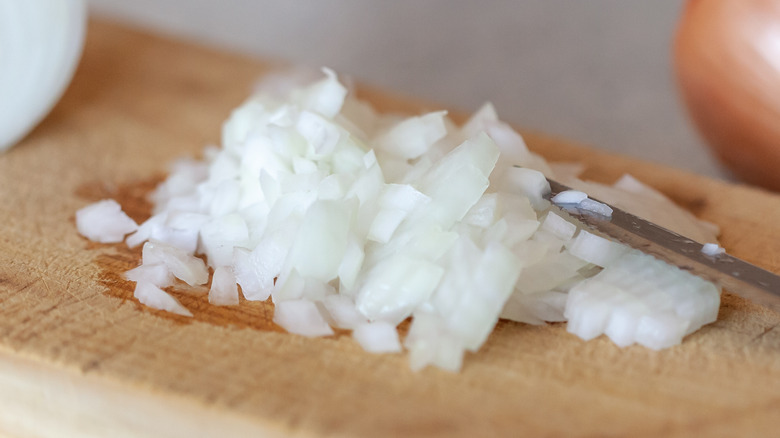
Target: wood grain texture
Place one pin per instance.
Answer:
(80, 357)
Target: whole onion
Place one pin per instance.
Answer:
(727, 56)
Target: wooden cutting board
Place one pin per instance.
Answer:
(79, 356)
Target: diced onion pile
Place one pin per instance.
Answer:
(348, 219)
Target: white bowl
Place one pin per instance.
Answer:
(40, 45)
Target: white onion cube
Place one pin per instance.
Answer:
(596, 207)
(712, 249)
(397, 285)
(558, 226)
(224, 290)
(640, 299)
(413, 136)
(157, 274)
(183, 266)
(302, 318)
(569, 197)
(104, 221)
(596, 249)
(322, 240)
(343, 311)
(154, 297)
(530, 183)
(377, 337)
(326, 96)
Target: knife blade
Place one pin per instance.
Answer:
(733, 274)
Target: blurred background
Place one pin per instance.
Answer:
(598, 72)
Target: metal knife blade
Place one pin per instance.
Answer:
(735, 275)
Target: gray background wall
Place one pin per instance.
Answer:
(597, 71)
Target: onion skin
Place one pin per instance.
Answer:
(727, 61)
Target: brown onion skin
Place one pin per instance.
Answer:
(727, 61)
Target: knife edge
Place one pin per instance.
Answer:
(733, 274)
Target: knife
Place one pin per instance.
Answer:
(735, 275)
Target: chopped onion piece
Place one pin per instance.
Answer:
(183, 266)
(321, 134)
(483, 214)
(569, 197)
(377, 337)
(146, 230)
(712, 249)
(395, 286)
(530, 183)
(157, 274)
(176, 232)
(343, 311)
(430, 344)
(104, 222)
(558, 226)
(395, 203)
(536, 308)
(219, 236)
(322, 240)
(413, 136)
(224, 290)
(326, 96)
(550, 273)
(156, 298)
(351, 263)
(640, 299)
(596, 207)
(473, 293)
(458, 180)
(480, 120)
(596, 249)
(255, 270)
(301, 317)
